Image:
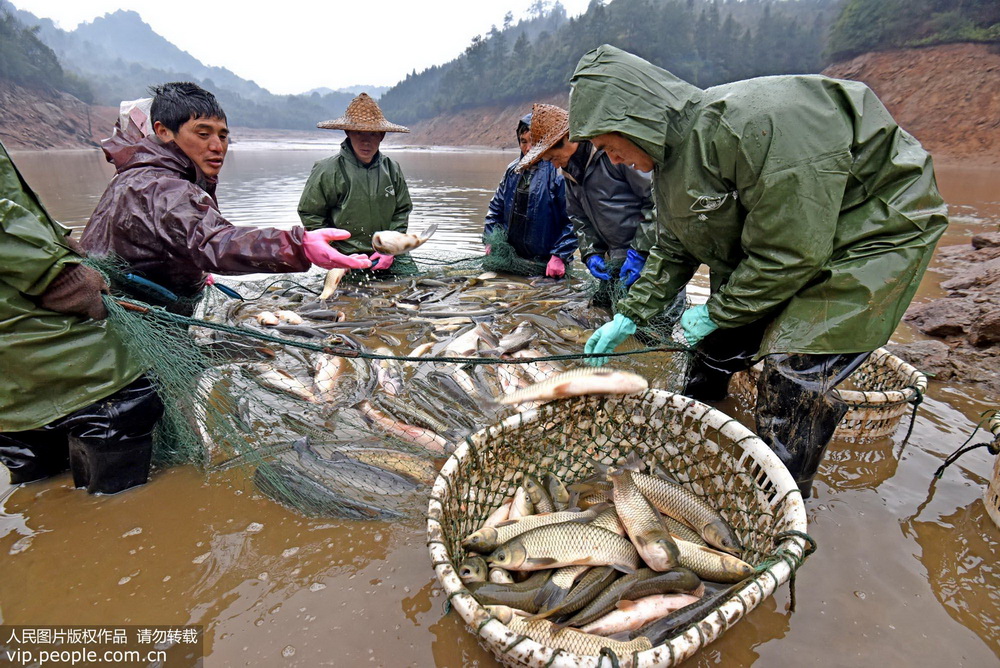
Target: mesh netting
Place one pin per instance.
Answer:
(343, 406)
(878, 394)
(710, 454)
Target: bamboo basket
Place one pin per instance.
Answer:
(992, 494)
(704, 449)
(878, 394)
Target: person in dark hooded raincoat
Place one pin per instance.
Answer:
(160, 216)
(611, 206)
(530, 207)
(71, 397)
(815, 213)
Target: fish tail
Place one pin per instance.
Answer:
(633, 462)
(549, 596)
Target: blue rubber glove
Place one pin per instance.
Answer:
(696, 324)
(595, 263)
(608, 337)
(634, 262)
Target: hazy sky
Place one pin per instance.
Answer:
(291, 46)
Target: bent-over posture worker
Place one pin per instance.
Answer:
(814, 211)
(71, 397)
(530, 208)
(159, 213)
(611, 205)
(360, 189)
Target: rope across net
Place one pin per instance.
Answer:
(346, 406)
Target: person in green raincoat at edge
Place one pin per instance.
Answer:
(71, 397)
(815, 213)
(360, 189)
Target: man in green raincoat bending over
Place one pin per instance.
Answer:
(71, 397)
(815, 213)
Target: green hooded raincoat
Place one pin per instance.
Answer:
(806, 201)
(341, 192)
(51, 364)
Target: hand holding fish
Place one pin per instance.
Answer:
(316, 245)
(381, 261)
(388, 242)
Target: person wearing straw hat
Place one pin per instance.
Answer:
(815, 212)
(360, 189)
(71, 395)
(611, 206)
(528, 212)
(160, 215)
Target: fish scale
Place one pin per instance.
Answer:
(566, 544)
(643, 522)
(677, 501)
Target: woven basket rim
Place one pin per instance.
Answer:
(727, 612)
(905, 371)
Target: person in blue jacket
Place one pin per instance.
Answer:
(531, 208)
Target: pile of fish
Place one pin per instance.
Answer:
(317, 417)
(621, 560)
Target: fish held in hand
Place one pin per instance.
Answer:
(395, 243)
(579, 382)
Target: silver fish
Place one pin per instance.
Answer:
(332, 281)
(389, 242)
(579, 382)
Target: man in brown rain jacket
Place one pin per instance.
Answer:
(159, 214)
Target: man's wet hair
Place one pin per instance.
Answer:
(177, 102)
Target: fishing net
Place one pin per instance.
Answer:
(706, 451)
(878, 394)
(344, 406)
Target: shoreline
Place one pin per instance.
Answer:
(303, 140)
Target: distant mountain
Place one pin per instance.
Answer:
(120, 56)
(373, 91)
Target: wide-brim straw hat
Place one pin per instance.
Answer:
(362, 115)
(549, 124)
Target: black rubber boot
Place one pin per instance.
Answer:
(796, 414)
(111, 441)
(35, 454)
(719, 355)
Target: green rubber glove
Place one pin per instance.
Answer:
(696, 324)
(608, 337)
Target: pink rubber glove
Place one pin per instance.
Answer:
(489, 249)
(556, 268)
(318, 250)
(381, 261)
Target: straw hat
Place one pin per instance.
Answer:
(362, 115)
(549, 124)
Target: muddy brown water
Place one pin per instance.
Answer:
(906, 572)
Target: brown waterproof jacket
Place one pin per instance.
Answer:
(159, 214)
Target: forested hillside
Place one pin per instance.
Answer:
(706, 42)
(878, 25)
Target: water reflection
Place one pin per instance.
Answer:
(905, 572)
